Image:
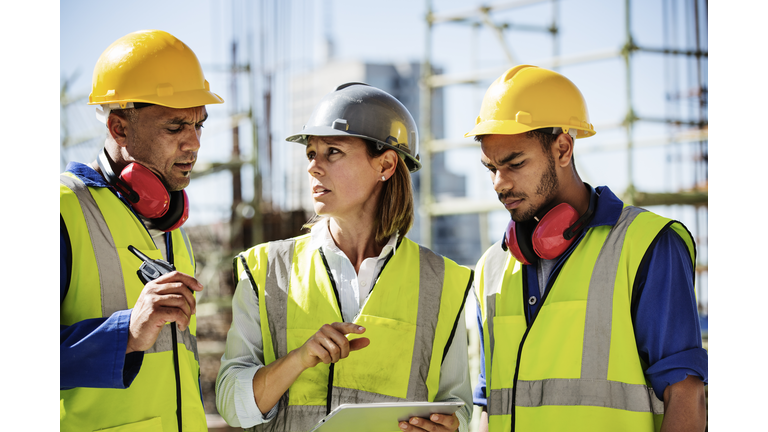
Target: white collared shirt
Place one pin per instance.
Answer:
(244, 354)
(353, 287)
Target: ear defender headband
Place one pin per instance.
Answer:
(551, 236)
(147, 194)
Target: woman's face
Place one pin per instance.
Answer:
(343, 180)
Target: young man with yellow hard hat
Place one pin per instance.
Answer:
(587, 308)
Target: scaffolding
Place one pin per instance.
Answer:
(681, 130)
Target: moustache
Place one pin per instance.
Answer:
(509, 194)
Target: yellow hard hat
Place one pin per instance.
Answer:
(528, 97)
(150, 66)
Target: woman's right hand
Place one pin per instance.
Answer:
(330, 344)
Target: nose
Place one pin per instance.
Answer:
(191, 142)
(313, 168)
(500, 182)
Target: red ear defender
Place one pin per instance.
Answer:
(153, 199)
(548, 239)
(518, 243)
(551, 236)
(147, 194)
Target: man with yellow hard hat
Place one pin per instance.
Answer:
(587, 309)
(128, 351)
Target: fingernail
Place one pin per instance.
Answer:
(434, 417)
(403, 425)
(361, 328)
(414, 421)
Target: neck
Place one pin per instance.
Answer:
(356, 239)
(572, 192)
(576, 194)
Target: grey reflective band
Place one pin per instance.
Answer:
(292, 418)
(107, 260)
(593, 388)
(113, 297)
(431, 277)
(188, 246)
(164, 340)
(343, 395)
(493, 274)
(279, 264)
(598, 320)
(576, 392)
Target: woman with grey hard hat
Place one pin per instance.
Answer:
(352, 312)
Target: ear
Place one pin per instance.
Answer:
(118, 129)
(388, 163)
(563, 148)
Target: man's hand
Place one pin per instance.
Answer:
(685, 406)
(436, 423)
(165, 299)
(330, 344)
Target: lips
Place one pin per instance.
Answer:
(319, 190)
(511, 203)
(185, 166)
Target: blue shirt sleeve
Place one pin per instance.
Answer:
(478, 396)
(92, 351)
(667, 325)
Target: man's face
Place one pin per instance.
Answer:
(166, 141)
(524, 176)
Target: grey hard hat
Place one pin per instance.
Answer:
(360, 110)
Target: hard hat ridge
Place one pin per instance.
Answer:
(150, 66)
(528, 97)
(360, 110)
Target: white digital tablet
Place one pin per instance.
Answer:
(380, 417)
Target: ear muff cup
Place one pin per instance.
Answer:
(551, 236)
(147, 194)
(153, 198)
(177, 214)
(518, 241)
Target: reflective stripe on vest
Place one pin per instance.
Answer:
(103, 279)
(277, 283)
(110, 270)
(431, 268)
(107, 260)
(592, 388)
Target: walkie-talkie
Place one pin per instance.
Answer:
(151, 269)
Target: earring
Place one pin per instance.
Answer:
(383, 178)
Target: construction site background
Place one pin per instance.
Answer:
(642, 67)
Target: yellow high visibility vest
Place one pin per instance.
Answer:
(410, 317)
(103, 281)
(576, 367)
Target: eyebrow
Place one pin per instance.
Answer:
(505, 160)
(182, 121)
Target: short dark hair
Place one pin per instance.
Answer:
(545, 138)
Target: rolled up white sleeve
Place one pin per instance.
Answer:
(242, 358)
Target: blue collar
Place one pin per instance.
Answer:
(88, 175)
(608, 210)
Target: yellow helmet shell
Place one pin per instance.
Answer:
(150, 66)
(528, 97)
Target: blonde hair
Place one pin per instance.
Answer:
(395, 206)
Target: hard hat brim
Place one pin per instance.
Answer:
(411, 162)
(511, 127)
(179, 100)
